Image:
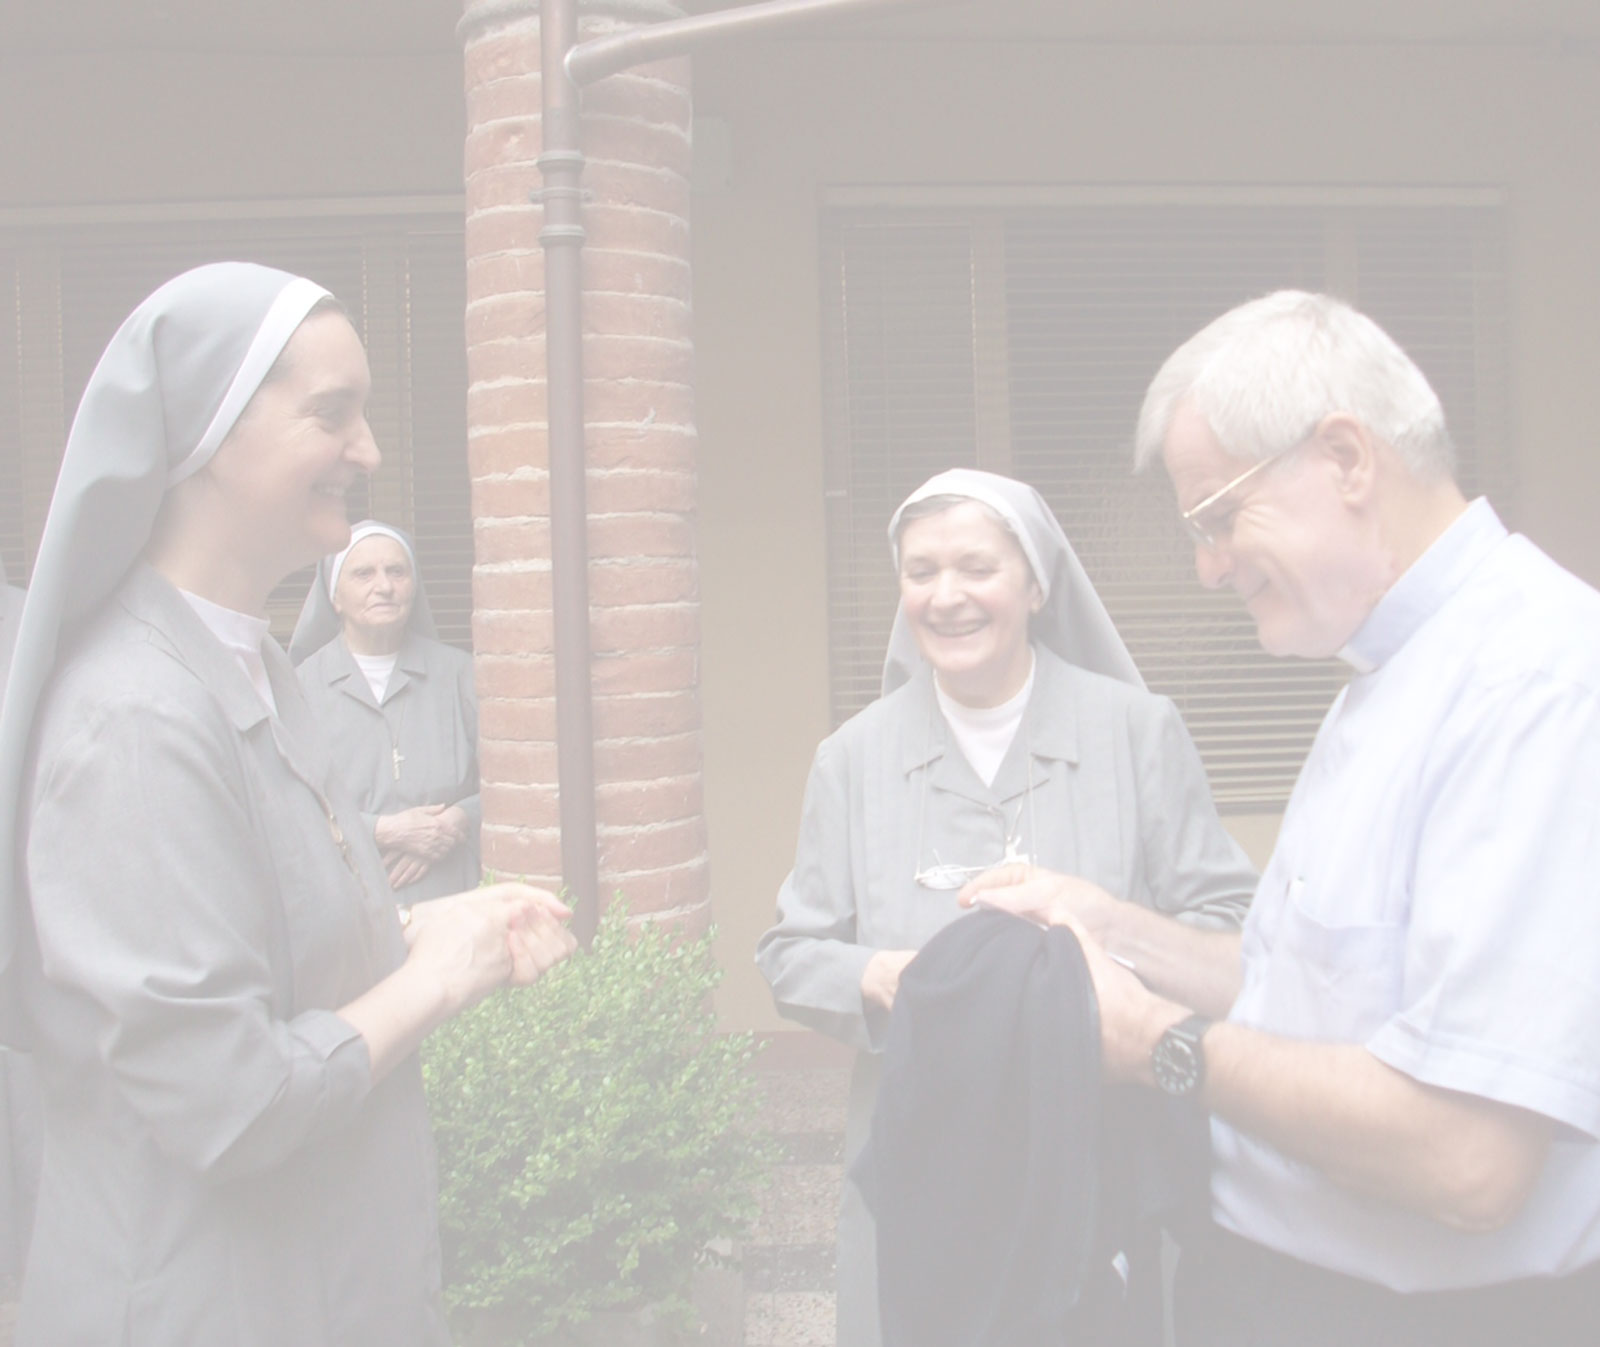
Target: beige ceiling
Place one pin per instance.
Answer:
(420, 25)
(1451, 21)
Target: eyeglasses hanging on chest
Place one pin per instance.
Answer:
(943, 875)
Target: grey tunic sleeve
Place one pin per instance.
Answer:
(810, 956)
(1195, 870)
(156, 911)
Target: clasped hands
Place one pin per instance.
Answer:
(411, 840)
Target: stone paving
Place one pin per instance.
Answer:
(788, 1262)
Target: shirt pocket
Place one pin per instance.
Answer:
(1336, 981)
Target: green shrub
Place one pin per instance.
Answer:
(594, 1135)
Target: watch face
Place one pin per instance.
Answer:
(1176, 1064)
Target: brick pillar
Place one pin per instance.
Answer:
(639, 409)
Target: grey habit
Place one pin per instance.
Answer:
(419, 745)
(195, 896)
(1101, 780)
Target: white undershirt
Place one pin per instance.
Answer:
(984, 733)
(241, 636)
(378, 670)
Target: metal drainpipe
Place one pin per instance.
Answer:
(561, 164)
(607, 55)
(566, 65)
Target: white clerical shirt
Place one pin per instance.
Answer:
(1435, 896)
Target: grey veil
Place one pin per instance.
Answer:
(167, 390)
(1073, 622)
(318, 623)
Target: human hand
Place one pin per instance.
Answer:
(453, 818)
(404, 869)
(880, 980)
(428, 831)
(474, 942)
(1132, 1017)
(542, 940)
(1042, 896)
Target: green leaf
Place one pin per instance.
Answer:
(594, 1133)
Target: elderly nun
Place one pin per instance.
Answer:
(197, 934)
(398, 708)
(1013, 727)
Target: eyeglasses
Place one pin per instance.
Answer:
(946, 875)
(1206, 532)
(941, 875)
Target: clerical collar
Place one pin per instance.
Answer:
(1419, 593)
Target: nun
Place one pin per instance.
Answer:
(197, 934)
(398, 708)
(1013, 727)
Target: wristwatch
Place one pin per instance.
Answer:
(1178, 1060)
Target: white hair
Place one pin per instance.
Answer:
(1265, 374)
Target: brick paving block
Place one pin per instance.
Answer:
(806, 1100)
(790, 1319)
(801, 1206)
(790, 1267)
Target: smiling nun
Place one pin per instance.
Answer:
(1013, 727)
(197, 934)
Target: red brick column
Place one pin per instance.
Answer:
(639, 408)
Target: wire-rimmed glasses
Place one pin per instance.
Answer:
(1205, 524)
(943, 875)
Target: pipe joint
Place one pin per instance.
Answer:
(542, 195)
(557, 161)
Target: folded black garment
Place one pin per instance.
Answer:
(1018, 1200)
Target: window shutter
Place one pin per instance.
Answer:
(30, 395)
(1435, 280)
(401, 277)
(1090, 299)
(900, 405)
(441, 486)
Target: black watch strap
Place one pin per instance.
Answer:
(1178, 1060)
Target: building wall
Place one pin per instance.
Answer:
(802, 117)
(91, 128)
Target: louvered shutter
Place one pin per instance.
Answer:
(1069, 311)
(901, 405)
(401, 277)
